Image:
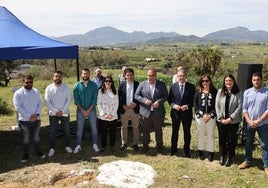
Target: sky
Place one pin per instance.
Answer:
(187, 17)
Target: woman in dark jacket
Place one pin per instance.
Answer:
(205, 115)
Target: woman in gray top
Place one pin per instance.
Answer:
(229, 114)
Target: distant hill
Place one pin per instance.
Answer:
(112, 36)
(238, 34)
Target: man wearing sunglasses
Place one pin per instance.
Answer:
(28, 103)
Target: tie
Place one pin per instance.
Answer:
(181, 90)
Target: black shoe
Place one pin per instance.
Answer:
(211, 156)
(173, 152)
(228, 162)
(123, 147)
(145, 150)
(41, 155)
(201, 155)
(221, 161)
(159, 150)
(187, 154)
(113, 149)
(25, 158)
(136, 148)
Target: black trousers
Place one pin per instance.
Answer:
(105, 127)
(227, 138)
(186, 120)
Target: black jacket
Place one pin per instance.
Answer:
(122, 94)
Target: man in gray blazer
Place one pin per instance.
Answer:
(151, 95)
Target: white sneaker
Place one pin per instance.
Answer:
(69, 150)
(96, 148)
(16, 128)
(77, 149)
(51, 152)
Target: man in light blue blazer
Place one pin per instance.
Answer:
(151, 95)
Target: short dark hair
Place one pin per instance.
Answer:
(257, 74)
(127, 70)
(27, 77)
(58, 71)
(86, 69)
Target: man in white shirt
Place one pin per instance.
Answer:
(58, 98)
(129, 109)
(28, 103)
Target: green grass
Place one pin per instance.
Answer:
(172, 171)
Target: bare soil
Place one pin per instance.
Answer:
(50, 175)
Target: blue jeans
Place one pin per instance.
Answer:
(30, 129)
(54, 122)
(92, 120)
(250, 136)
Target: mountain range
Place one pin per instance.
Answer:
(112, 36)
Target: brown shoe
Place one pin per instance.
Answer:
(245, 165)
(266, 170)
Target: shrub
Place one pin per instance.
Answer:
(4, 108)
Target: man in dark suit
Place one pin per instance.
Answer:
(180, 98)
(129, 109)
(151, 95)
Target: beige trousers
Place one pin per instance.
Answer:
(130, 115)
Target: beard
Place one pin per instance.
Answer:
(57, 81)
(28, 87)
(85, 78)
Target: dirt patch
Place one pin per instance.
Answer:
(50, 175)
(116, 173)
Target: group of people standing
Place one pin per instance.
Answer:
(101, 104)
(222, 108)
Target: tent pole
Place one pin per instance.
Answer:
(77, 69)
(55, 64)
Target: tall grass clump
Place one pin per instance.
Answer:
(4, 108)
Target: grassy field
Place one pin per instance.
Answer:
(172, 171)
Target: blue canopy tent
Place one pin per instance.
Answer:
(18, 41)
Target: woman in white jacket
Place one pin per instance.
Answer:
(107, 103)
(229, 114)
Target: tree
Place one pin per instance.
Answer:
(182, 59)
(102, 58)
(207, 59)
(6, 68)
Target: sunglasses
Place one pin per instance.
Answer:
(108, 81)
(205, 81)
(28, 82)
